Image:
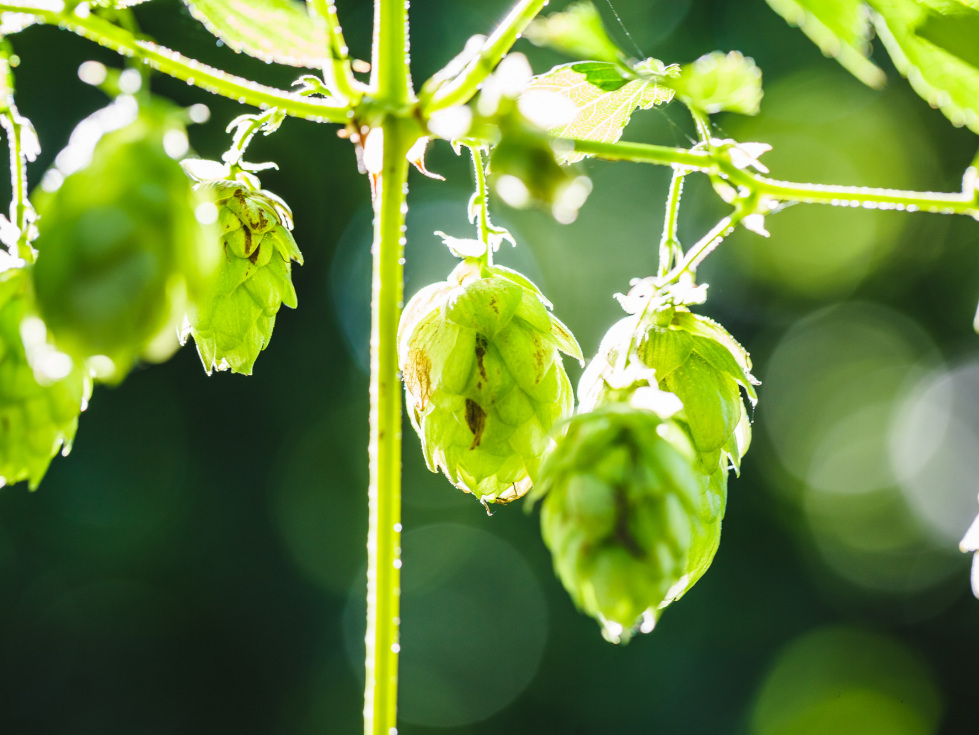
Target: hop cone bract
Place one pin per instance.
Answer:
(36, 418)
(121, 251)
(236, 313)
(624, 514)
(484, 379)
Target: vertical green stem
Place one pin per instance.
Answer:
(391, 87)
(482, 203)
(669, 246)
(384, 534)
(21, 209)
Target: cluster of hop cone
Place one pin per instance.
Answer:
(132, 257)
(632, 484)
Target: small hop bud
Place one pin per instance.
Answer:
(236, 313)
(692, 357)
(36, 418)
(484, 379)
(629, 520)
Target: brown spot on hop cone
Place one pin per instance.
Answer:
(475, 420)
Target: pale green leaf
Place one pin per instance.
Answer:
(720, 82)
(279, 31)
(577, 31)
(956, 30)
(605, 100)
(933, 65)
(840, 28)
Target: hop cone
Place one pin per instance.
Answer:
(484, 379)
(120, 248)
(236, 313)
(694, 358)
(36, 418)
(625, 515)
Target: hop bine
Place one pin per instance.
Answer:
(483, 377)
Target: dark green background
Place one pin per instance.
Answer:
(196, 564)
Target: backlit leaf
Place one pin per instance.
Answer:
(577, 32)
(841, 29)
(604, 98)
(717, 82)
(932, 50)
(271, 30)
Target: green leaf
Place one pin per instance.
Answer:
(717, 82)
(605, 100)
(270, 30)
(935, 48)
(956, 32)
(577, 31)
(840, 28)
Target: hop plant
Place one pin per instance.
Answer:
(483, 377)
(236, 313)
(122, 253)
(38, 410)
(630, 522)
(692, 356)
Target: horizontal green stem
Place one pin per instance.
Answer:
(463, 87)
(643, 153)
(181, 67)
(868, 197)
(716, 162)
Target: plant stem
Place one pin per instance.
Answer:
(384, 533)
(21, 210)
(704, 247)
(698, 160)
(339, 71)
(464, 86)
(669, 246)
(193, 72)
(391, 87)
(481, 201)
(966, 202)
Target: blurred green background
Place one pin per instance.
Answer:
(197, 564)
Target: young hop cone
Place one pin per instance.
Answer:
(693, 357)
(625, 513)
(121, 252)
(483, 378)
(38, 412)
(236, 313)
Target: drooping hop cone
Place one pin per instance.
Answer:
(484, 379)
(236, 313)
(121, 252)
(695, 359)
(624, 513)
(36, 418)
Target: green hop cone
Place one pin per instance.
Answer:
(121, 252)
(236, 313)
(484, 379)
(38, 412)
(625, 514)
(694, 358)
